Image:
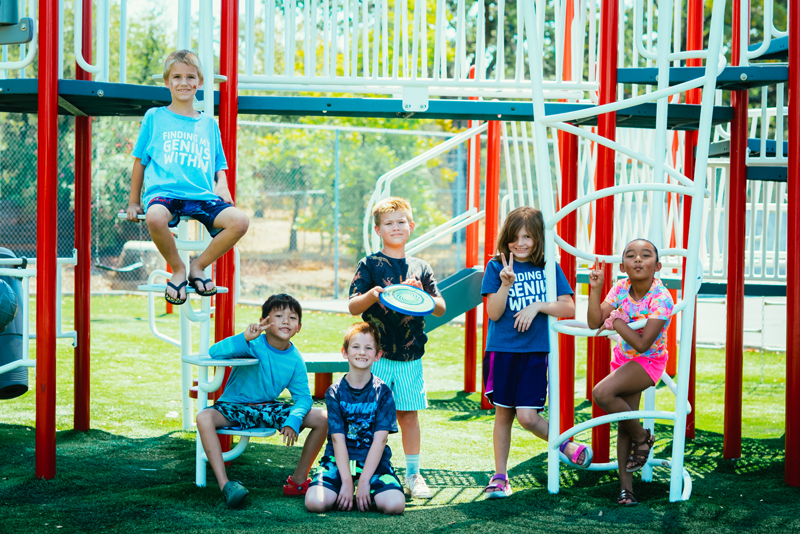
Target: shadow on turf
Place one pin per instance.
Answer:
(110, 481)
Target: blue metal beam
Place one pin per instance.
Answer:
(114, 99)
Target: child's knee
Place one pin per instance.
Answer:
(239, 223)
(158, 216)
(528, 418)
(390, 502)
(205, 418)
(315, 500)
(600, 394)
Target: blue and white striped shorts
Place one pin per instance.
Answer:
(406, 382)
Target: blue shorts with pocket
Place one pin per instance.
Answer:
(204, 211)
(383, 479)
(516, 379)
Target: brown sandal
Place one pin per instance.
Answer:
(627, 495)
(638, 456)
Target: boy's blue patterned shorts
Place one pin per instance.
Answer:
(204, 211)
(328, 476)
(272, 414)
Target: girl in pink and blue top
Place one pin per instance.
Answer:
(641, 355)
(518, 342)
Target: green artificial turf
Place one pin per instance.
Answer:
(134, 471)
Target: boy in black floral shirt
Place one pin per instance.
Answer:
(403, 336)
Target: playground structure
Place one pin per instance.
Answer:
(417, 76)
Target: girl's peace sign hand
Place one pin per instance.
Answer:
(597, 275)
(254, 330)
(507, 276)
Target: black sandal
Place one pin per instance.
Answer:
(627, 495)
(172, 300)
(638, 456)
(202, 292)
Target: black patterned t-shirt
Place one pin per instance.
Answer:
(402, 336)
(358, 414)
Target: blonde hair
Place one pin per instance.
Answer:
(532, 221)
(187, 57)
(390, 205)
(362, 328)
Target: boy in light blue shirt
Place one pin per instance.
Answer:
(249, 400)
(180, 162)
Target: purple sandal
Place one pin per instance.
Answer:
(497, 491)
(587, 461)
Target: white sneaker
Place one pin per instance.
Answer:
(417, 488)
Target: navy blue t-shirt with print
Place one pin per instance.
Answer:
(402, 336)
(358, 414)
(529, 287)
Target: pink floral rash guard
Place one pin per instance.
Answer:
(656, 304)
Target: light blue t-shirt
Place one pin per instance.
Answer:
(181, 155)
(529, 287)
(276, 370)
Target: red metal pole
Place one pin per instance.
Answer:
(46, 223)
(604, 225)
(737, 204)
(228, 113)
(471, 323)
(492, 219)
(568, 230)
(793, 259)
(83, 241)
(694, 41)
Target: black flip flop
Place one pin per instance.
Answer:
(173, 300)
(202, 292)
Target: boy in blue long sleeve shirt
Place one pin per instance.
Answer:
(249, 400)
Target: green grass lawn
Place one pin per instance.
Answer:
(134, 472)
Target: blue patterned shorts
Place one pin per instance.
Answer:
(328, 476)
(271, 414)
(204, 211)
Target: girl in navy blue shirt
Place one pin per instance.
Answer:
(517, 345)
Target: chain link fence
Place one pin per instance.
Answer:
(286, 184)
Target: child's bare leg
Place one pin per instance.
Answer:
(390, 502)
(234, 224)
(629, 380)
(208, 421)
(624, 443)
(319, 499)
(158, 218)
(534, 423)
(409, 427)
(317, 421)
(501, 437)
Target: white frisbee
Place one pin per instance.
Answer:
(408, 300)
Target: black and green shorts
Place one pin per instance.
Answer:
(328, 476)
(271, 414)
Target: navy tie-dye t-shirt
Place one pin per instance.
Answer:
(358, 414)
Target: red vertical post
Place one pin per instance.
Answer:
(46, 222)
(793, 258)
(568, 230)
(471, 323)
(694, 41)
(228, 113)
(83, 240)
(492, 218)
(672, 340)
(604, 226)
(737, 204)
